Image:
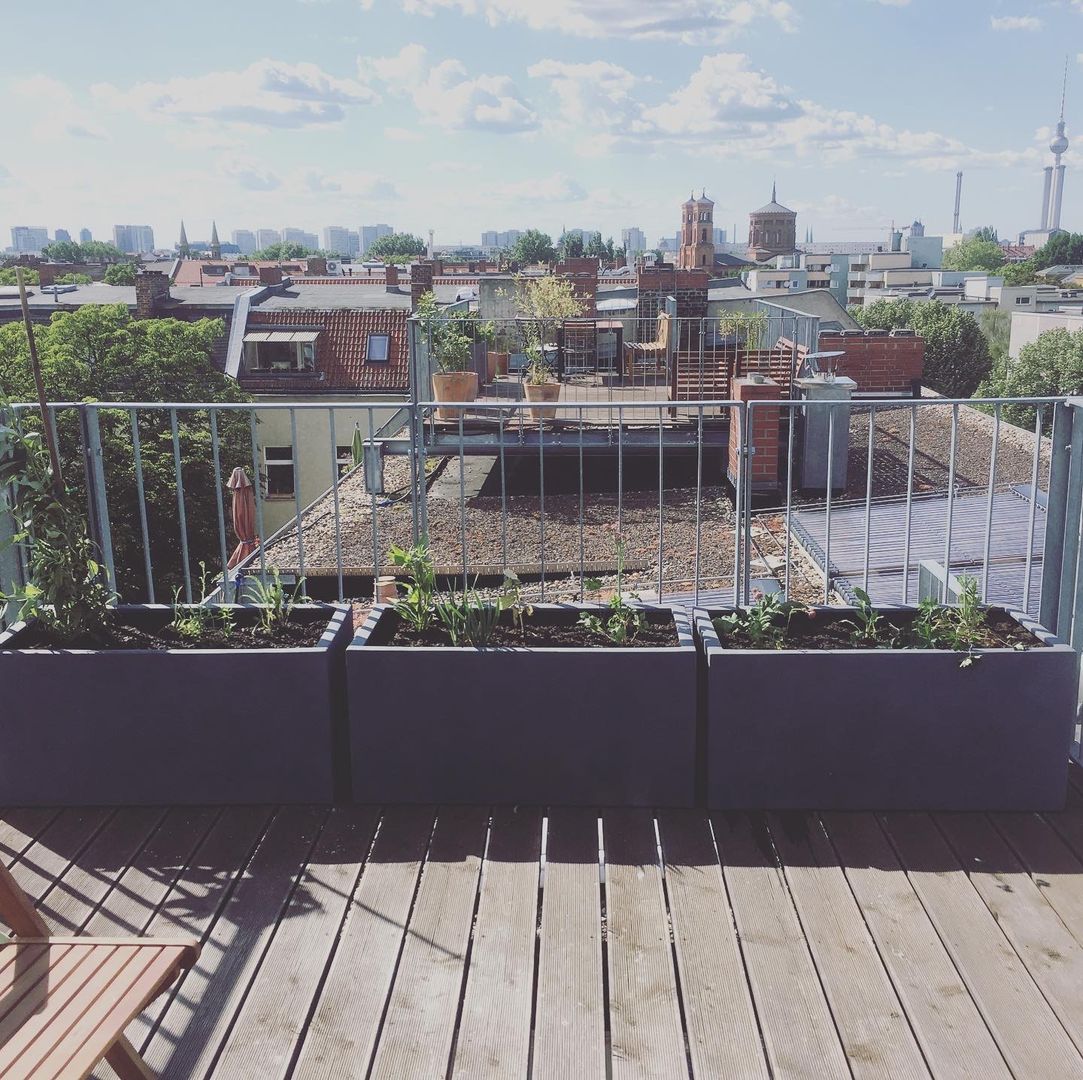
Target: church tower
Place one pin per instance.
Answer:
(697, 233)
(182, 244)
(216, 247)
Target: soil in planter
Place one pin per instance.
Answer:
(556, 630)
(152, 630)
(823, 630)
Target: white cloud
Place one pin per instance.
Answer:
(267, 93)
(557, 188)
(706, 22)
(447, 95)
(1015, 22)
(250, 176)
(598, 92)
(54, 98)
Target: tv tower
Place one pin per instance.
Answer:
(1053, 188)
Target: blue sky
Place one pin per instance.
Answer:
(461, 115)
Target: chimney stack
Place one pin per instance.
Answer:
(317, 266)
(956, 228)
(151, 288)
(421, 275)
(270, 275)
(391, 278)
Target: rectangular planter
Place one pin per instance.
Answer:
(854, 729)
(571, 726)
(132, 727)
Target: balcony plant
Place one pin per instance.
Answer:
(465, 697)
(942, 707)
(450, 349)
(139, 704)
(543, 305)
(497, 344)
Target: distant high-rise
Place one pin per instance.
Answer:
(245, 239)
(633, 240)
(86, 236)
(63, 236)
(133, 239)
(369, 234)
(29, 239)
(266, 237)
(697, 233)
(336, 238)
(720, 236)
(299, 236)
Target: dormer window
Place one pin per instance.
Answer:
(378, 349)
(280, 350)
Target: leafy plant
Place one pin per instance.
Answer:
(511, 599)
(624, 622)
(276, 603)
(67, 591)
(544, 304)
(448, 342)
(868, 627)
(954, 626)
(468, 619)
(763, 625)
(194, 621)
(417, 608)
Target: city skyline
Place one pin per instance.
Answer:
(473, 115)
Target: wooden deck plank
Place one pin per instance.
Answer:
(342, 1034)
(1055, 868)
(1026, 1030)
(569, 1027)
(948, 1026)
(133, 900)
(494, 1030)
(798, 1028)
(646, 1032)
(420, 1023)
(46, 860)
(1045, 945)
(262, 1044)
(197, 1019)
(723, 1034)
(20, 827)
(875, 1034)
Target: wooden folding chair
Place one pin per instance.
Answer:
(65, 1001)
(648, 357)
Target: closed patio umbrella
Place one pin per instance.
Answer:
(244, 516)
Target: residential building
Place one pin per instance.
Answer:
(299, 236)
(336, 238)
(371, 233)
(697, 233)
(133, 239)
(1027, 326)
(86, 236)
(246, 241)
(633, 240)
(29, 239)
(772, 230)
(719, 237)
(353, 242)
(493, 240)
(266, 237)
(62, 236)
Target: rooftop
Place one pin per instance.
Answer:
(469, 942)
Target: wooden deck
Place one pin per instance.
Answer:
(408, 943)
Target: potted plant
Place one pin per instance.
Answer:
(151, 704)
(543, 304)
(469, 698)
(943, 707)
(498, 351)
(451, 349)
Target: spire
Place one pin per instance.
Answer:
(182, 244)
(773, 192)
(216, 247)
(1064, 89)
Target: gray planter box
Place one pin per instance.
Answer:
(853, 729)
(133, 727)
(564, 726)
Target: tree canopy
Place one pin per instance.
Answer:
(533, 246)
(9, 277)
(274, 252)
(974, 253)
(957, 354)
(985, 232)
(94, 251)
(100, 353)
(569, 246)
(120, 274)
(1064, 249)
(396, 247)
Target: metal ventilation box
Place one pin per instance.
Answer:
(824, 434)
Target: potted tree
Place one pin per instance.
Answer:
(451, 349)
(944, 707)
(150, 704)
(496, 339)
(603, 699)
(543, 304)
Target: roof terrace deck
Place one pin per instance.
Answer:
(467, 942)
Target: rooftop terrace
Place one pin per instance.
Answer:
(423, 942)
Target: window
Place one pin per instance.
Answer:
(278, 462)
(703, 236)
(378, 349)
(280, 350)
(1022, 299)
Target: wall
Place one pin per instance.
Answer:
(1027, 325)
(313, 436)
(878, 363)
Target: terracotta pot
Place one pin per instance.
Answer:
(387, 590)
(549, 391)
(497, 364)
(454, 386)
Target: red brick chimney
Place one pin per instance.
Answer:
(391, 278)
(317, 266)
(270, 275)
(151, 288)
(47, 273)
(421, 275)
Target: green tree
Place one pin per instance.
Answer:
(8, 277)
(1064, 249)
(974, 254)
(996, 325)
(100, 353)
(63, 251)
(1050, 366)
(570, 246)
(1020, 273)
(957, 355)
(67, 251)
(596, 247)
(275, 252)
(120, 274)
(985, 232)
(533, 246)
(396, 247)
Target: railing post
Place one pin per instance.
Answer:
(11, 570)
(97, 503)
(1060, 476)
(419, 504)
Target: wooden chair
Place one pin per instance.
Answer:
(65, 1001)
(648, 357)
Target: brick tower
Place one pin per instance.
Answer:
(772, 230)
(697, 234)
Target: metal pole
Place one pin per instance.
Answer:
(1060, 447)
(39, 387)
